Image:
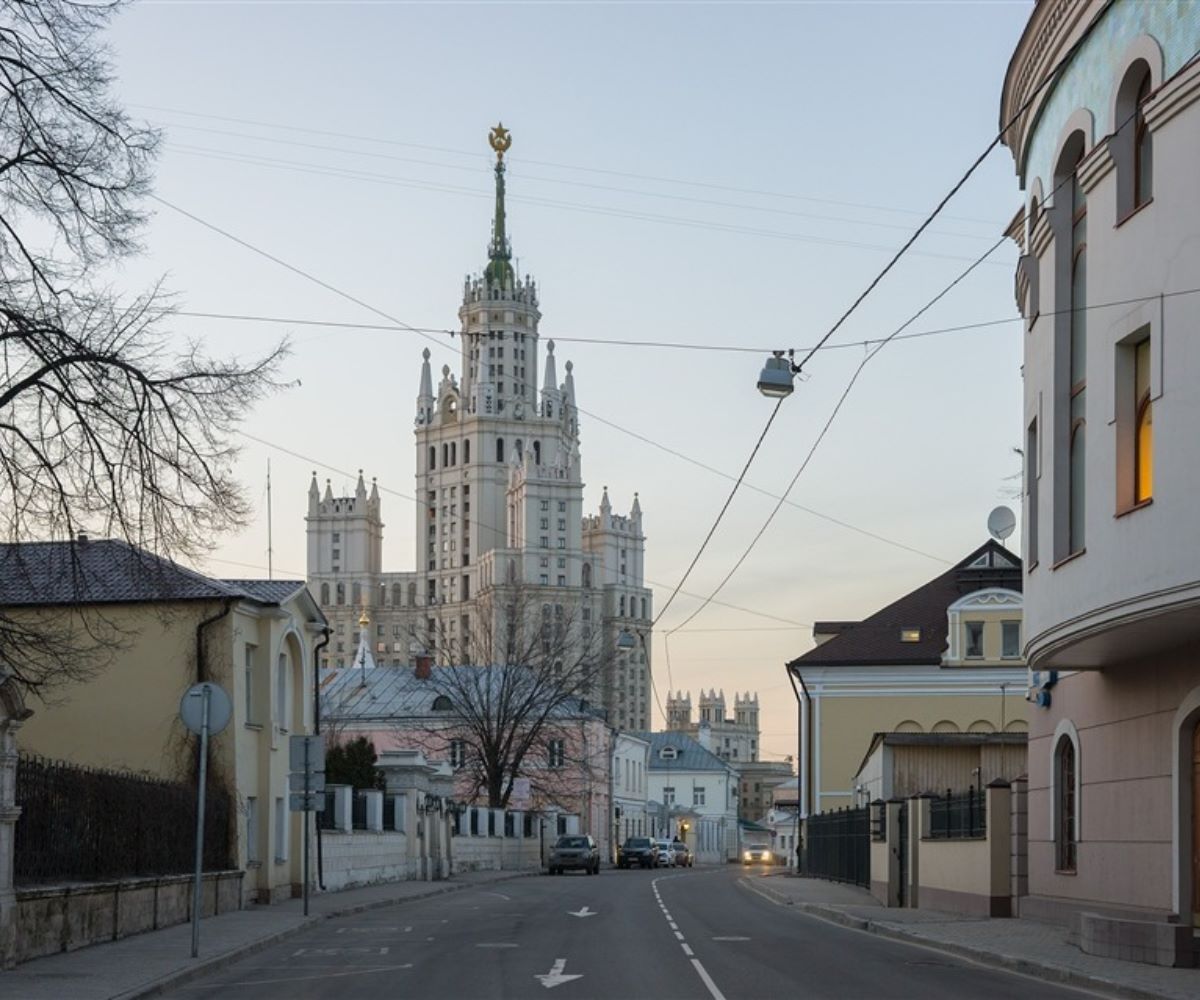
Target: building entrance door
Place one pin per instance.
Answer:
(1196, 825)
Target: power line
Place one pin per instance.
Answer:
(640, 216)
(712, 202)
(829, 423)
(476, 154)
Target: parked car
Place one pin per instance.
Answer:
(758, 855)
(575, 851)
(684, 857)
(639, 851)
(666, 854)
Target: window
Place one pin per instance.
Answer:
(698, 795)
(341, 593)
(458, 754)
(554, 753)
(1143, 430)
(562, 543)
(544, 541)
(910, 635)
(1132, 145)
(1031, 494)
(1010, 640)
(974, 632)
(668, 796)
(499, 449)
(432, 458)
(562, 524)
(544, 579)
(466, 451)
(251, 706)
(562, 506)
(337, 537)
(441, 704)
(1078, 409)
(668, 753)
(1065, 832)
(1142, 148)
(545, 505)
(281, 839)
(281, 693)
(251, 830)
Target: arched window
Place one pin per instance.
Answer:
(382, 594)
(622, 613)
(587, 575)
(1143, 437)
(397, 595)
(1143, 175)
(445, 455)
(1132, 145)
(499, 449)
(454, 453)
(519, 449)
(442, 704)
(537, 452)
(341, 593)
(466, 451)
(325, 594)
(643, 607)
(1065, 804)
(412, 595)
(432, 458)
(282, 719)
(357, 594)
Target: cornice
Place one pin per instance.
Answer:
(1175, 95)
(1041, 236)
(1097, 165)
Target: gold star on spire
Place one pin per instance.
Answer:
(499, 138)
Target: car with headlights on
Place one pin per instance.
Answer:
(574, 851)
(684, 857)
(757, 854)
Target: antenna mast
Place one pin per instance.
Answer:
(270, 550)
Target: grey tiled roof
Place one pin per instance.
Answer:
(691, 756)
(108, 571)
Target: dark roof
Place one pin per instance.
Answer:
(876, 639)
(691, 756)
(109, 571)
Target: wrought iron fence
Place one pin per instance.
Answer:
(958, 817)
(358, 812)
(389, 812)
(839, 846)
(81, 823)
(879, 821)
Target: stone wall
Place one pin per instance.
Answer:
(366, 857)
(469, 854)
(66, 917)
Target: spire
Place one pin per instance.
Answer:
(425, 393)
(568, 386)
(374, 490)
(362, 657)
(328, 498)
(605, 506)
(636, 510)
(499, 271)
(550, 380)
(314, 496)
(360, 491)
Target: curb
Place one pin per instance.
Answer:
(1009, 963)
(217, 962)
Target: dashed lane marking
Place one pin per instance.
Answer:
(700, 970)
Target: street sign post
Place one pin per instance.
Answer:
(205, 709)
(306, 756)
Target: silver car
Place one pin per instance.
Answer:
(574, 851)
(666, 854)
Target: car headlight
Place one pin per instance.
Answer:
(747, 855)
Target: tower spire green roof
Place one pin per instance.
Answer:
(499, 270)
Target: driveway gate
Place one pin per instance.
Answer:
(839, 846)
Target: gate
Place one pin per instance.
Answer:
(839, 846)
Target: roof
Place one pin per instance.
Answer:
(749, 826)
(110, 571)
(378, 694)
(691, 755)
(942, 740)
(875, 641)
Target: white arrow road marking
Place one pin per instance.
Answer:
(585, 912)
(556, 976)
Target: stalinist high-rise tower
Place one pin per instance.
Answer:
(499, 485)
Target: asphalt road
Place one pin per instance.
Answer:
(623, 935)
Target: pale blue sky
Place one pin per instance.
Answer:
(818, 108)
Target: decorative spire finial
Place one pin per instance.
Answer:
(499, 270)
(499, 138)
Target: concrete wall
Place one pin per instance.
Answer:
(365, 858)
(64, 918)
(496, 853)
(970, 876)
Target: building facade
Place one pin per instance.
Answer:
(499, 489)
(945, 658)
(172, 628)
(631, 757)
(732, 739)
(1106, 152)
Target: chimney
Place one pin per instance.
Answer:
(81, 537)
(423, 667)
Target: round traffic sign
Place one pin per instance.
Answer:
(220, 708)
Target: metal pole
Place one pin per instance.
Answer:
(197, 889)
(304, 821)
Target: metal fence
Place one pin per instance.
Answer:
(81, 823)
(389, 812)
(838, 846)
(358, 812)
(958, 817)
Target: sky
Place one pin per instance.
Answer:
(720, 175)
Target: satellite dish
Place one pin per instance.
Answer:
(1001, 523)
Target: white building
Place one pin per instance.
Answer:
(697, 789)
(630, 762)
(499, 485)
(1106, 151)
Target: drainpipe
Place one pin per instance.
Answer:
(201, 672)
(804, 762)
(317, 730)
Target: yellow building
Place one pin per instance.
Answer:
(945, 658)
(163, 628)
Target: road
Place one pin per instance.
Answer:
(659, 935)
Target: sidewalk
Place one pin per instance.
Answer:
(1036, 949)
(146, 964)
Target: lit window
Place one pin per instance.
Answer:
(1143, 464)
(910, 635)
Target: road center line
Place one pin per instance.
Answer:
(687, 949)
(707, 979)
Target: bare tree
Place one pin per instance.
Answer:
(518, 696)
(104, 424)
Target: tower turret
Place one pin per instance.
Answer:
(425, 393)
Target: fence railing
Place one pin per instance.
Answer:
(358, 812)
(81, 823)
(958, 817)
(389, 812)
(838, 846)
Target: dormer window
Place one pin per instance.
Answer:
(668, 753)
(910, 635)
(974, 632)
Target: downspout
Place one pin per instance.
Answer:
(804, 737)
(317, 730)
(201, 676)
